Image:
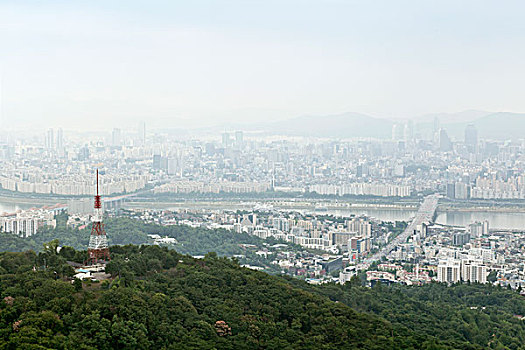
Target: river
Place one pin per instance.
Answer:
(380, 214)
(497, 220)
(6, 207)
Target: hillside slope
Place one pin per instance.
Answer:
(345, 125)
(160, 299)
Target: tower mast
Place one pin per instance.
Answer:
(98, 249)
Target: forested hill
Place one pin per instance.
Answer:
(189, 240)
(121, 231)
(160, 299)
(465, 316)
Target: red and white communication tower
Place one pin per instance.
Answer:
(98, 249)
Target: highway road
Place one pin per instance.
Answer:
(424, 214)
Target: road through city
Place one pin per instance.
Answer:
(424, 214)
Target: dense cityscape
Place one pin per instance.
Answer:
(238, 175)
(291, 184)
(408, 165)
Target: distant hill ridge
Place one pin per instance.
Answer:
(498, 126)
(501, 125)
(344, 125)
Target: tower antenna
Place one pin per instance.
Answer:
(98, 250)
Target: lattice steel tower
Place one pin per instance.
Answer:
(98, 250)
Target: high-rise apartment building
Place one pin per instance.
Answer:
(142, 133)
(471, 138)
(60, 139)
(449, 271)
(451, 191)
(461, 190)
(408, 131)
(116, 138)
(226, 140)
(50, 139)
(445, 145)
(455, 270)
(473, 271)
(361, 226)
(460, 238)
(478, 229)
(239, 138)
(397, 132)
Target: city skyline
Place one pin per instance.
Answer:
(263, 174)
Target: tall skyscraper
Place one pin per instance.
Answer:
(116, 138)
(461, 190)
(471, 138)
(83, 153)
(225, 139)
(50, 139)
(451, 190)
(239, 138)
(436, 124)
(60, 139)
(397, 132)
(445, 145)
(408, 131)
(142, 133)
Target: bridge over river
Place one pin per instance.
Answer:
(425, 213)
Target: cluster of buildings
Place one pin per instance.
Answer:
(63, 164)
(352, 236)
(395, 273)
(186, 186)
(409, 164)
(362, 189)
(80, 185)
(337, 248)
(466, 254)
(325, 244)
(492, 187)
(328, 248)
(397, 170)
(25, 223)
(466, 269)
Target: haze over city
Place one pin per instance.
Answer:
(230, 174)
(182, 64)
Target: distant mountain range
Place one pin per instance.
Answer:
(447, 118)
(345, 125)
(498, 126)
(490, 125)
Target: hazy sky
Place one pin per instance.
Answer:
(192, 63)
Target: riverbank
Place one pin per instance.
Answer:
(317, 204)
(32, 201)
(285, 205)
(491, 209)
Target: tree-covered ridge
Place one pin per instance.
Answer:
(122, 231)
(259, 310)
(160, 299)
(465, 316)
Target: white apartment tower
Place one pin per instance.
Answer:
(449, 271)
